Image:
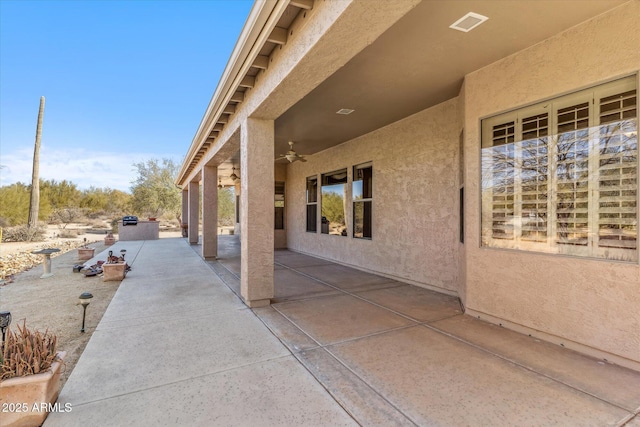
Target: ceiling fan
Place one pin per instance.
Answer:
(291, 155)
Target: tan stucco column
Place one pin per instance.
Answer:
(185, 205)
(209, 212)
(194, 198)
(256, 211)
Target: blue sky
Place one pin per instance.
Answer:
(124, 82)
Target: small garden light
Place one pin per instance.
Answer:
(5, 321)
(85, 298)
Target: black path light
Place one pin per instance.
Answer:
(5, 321)
(85, 298)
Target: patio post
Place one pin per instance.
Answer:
(209, 212)
(194, 199)
(256, 211)
(185, 208)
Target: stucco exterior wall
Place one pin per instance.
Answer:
(594, 303)
(415, 217)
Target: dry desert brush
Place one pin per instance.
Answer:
(27, 352)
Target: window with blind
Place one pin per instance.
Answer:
(362, 193)
(334, 208)
(312, 203)
(279, 205)
(562, 176)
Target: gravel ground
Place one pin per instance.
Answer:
(51, 303)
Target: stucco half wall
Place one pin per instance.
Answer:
(415, 199)
(591, 304)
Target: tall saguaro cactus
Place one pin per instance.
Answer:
(35, 176)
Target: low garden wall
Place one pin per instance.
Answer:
(144, 230)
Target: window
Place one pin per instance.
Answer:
(279, 205)
(312, 203)
(334, 185)
(362, 200)
(562, 176)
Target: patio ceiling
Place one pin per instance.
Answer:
(420, 62)
(417, 63)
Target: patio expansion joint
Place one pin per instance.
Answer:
(170, 383)
(435, 329)
(346, 340)
(325, 347)
(360, 297)
(624, 421)
(160, 319)
(523, 366)
(137, 253)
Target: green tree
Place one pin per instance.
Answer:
(154, 192)
(119, 202)
(333, 207)
(60, 195)
(226, 206)
(95, 200)
(14, 209)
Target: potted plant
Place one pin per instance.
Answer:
(109, 240)
(115, 269)
(29, 376)
(85, 252)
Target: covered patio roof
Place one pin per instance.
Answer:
(418, 62)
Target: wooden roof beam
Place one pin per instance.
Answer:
(237, 96)
(248, 81)
(261, 62)
(302, 4)
(278, 36)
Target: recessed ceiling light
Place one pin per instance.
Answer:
(468, 22)
(345, 111)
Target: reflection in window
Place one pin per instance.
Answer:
(334, 207)
(562, 176)
(312, 203)
(362, 200)
(279, 206)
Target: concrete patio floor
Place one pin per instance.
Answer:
(338, 346)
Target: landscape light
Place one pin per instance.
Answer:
(85, 298)
(5, 321)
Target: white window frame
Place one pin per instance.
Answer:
(514, 222)
(364, 201)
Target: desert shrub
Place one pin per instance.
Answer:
(23, 233)
(114, 225)
(4, 222)
(66, 216)
(95, 223)
(68, 234)
(27, 352)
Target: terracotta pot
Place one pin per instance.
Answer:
(114, 272)
(85, 253)
(109, 240)
(29, 399)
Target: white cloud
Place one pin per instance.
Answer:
(112, 168)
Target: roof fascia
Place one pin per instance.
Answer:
(262, 19)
